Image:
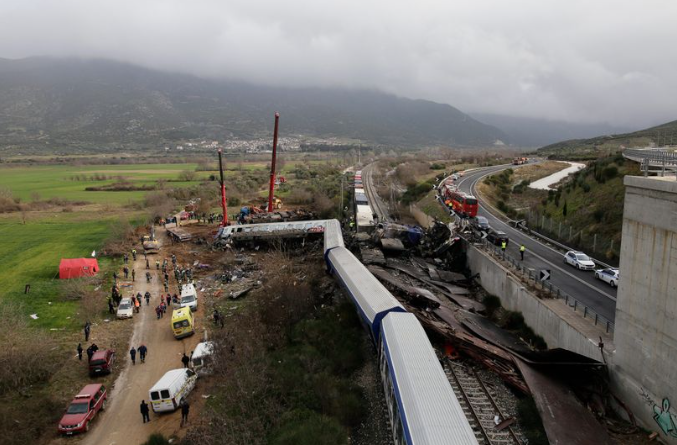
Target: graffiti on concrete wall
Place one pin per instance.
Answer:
(662, 415)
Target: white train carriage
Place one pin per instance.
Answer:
(333, 237)
(371, 298)
(422, 405)
(365, 218)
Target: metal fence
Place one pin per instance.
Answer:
(533, 275)
(574, 239)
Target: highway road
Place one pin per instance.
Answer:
(582, 285)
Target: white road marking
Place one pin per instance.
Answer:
(482, 205)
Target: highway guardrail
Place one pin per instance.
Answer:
(554, 291)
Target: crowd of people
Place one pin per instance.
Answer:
(182, 275)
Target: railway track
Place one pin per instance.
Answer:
(375, 201)
(479, 405)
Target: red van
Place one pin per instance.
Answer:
(82, 410)
(101, 362)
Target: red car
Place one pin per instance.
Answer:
(101, 362)
(83, 409)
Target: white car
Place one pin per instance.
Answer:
(189, 297)
(608, 276)
(125, 309)
(579, 260)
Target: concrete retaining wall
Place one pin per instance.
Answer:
(545, 320)
(645, 367)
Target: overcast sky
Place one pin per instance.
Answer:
(582, 61)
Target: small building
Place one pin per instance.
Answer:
(78, 267)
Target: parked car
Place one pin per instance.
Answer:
(497, 237)
(171, 389)
(189, 297)
(579, 260)
(125, 309)
(608, 276)
(82, 410)
(102, 362)
(481, 223)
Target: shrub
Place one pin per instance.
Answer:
(300, 196)
(7, 201)
(27, 357)
(156, 439)
(610, 172)
(305, 427)
(598, 215)
(491, 303)
(187, 175)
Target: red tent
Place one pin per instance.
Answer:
(77, 267)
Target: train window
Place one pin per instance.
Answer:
(471, 201)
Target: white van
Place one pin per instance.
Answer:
(189, 297)
(201, 360)
(171, 389)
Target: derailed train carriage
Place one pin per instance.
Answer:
(422, 406)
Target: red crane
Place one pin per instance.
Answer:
(272, 166)
(224, 206)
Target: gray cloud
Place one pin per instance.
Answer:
(581, 61)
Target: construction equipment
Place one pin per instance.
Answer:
(272, 165)
(224, 201)
(150, 244)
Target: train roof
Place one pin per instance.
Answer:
(364, 216)
(431, 412)
(372, 299)
(333, 237)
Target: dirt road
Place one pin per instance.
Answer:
(121, 423)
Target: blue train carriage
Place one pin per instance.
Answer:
(371, 298)
(361, 197)
(422, 405)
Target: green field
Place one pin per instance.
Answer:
(56, 181)
(30, 254)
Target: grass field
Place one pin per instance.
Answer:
(30, 254)
(56, 181)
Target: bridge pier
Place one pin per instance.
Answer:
(644, 366)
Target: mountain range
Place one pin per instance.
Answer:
(67, 104)
(592, 148)
(529, 132)
(77, 103)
